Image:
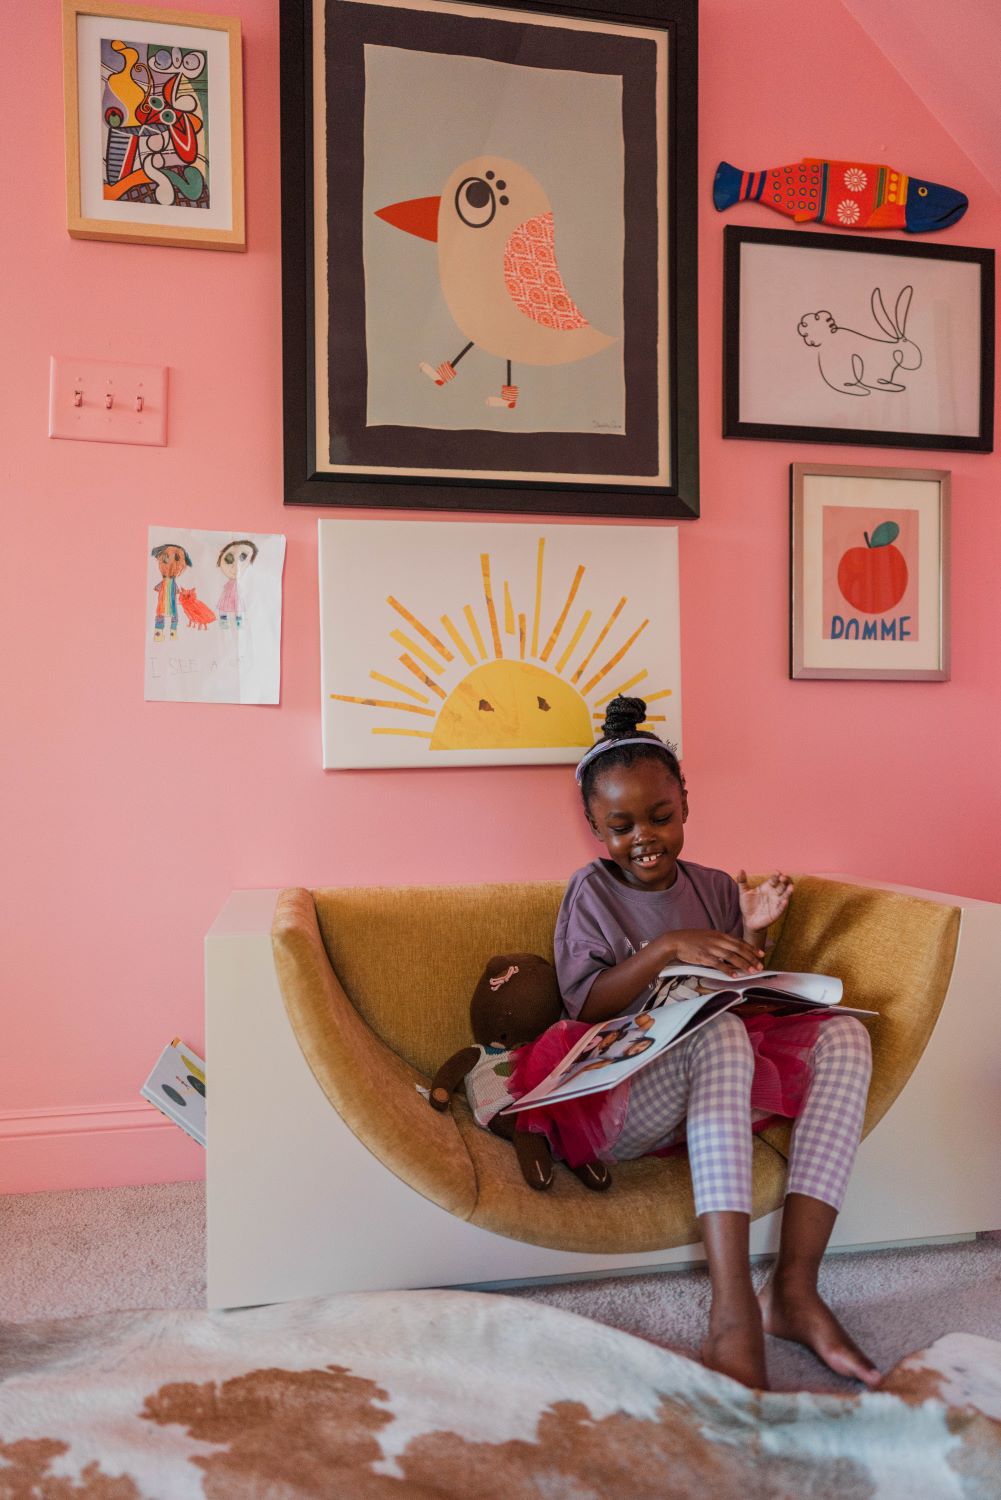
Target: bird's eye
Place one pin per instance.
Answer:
(922, 192)
(543, 704)
(475, 202)
(485, 707)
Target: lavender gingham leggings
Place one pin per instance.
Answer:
(701, 1090)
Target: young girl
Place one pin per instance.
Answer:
(622, 919)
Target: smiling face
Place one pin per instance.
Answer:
(638, 812)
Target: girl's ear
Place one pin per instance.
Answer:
(594, 828)
(684, 804)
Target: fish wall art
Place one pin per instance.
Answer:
(844, 194)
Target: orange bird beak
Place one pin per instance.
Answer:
(417, 216)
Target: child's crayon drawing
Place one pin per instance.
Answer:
(229, 654)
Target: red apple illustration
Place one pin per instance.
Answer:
(873, 578)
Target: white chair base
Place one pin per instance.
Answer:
(298, 1207)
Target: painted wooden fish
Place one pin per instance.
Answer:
(845, 194)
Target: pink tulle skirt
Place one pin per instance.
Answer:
(586, 1129)
(578, 1130)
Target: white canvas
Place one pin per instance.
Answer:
(922, 378)
(461, 643)
(225, 646)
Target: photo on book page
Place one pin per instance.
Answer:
(690, 998)
(615, 1049)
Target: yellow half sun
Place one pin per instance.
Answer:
(506, 705)
(507, 702)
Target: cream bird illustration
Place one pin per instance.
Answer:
(493, 225)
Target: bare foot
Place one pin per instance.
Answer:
(801, 1314)
(735, 1345)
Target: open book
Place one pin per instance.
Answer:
(686, 998)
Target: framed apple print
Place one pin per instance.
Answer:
(870, 572)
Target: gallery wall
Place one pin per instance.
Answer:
(126, 824)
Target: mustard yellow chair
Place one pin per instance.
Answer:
(377, 984)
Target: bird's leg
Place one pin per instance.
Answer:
(509, 393)
(444, 372)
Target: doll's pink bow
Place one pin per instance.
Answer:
(500, 979)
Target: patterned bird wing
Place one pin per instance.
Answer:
(533, 278)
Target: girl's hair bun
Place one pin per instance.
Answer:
(622, 716)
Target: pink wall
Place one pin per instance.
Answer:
(127, 824)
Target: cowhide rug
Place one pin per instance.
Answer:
(387, 1396)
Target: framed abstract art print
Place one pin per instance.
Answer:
(870, 572)
(154, 125)
(489, 255)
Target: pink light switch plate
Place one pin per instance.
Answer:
(107, 401)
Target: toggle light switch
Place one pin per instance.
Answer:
(107, 401)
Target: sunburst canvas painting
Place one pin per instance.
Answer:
(465, 644)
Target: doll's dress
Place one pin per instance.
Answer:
(586, 1128)
(578, 1130)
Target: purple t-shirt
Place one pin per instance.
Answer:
(603, 921)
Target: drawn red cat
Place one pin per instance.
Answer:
(197, 612)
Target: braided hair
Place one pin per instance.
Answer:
(622, 716)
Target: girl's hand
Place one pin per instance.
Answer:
(712, 950)
(763, 905)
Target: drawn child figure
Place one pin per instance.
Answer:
(234, 560)
(173, 559)
(623, 918)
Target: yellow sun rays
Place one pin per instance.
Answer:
(527, 698)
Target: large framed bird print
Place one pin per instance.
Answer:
(489, 261)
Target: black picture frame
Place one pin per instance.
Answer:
(735, 421)
(361, 481)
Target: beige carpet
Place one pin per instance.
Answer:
(70, 1253)
(447, 1396)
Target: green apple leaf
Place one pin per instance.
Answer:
(884, 534)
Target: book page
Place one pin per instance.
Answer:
(620, 1047)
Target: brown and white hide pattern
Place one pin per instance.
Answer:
(402, 1396)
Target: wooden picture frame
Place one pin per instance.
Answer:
(154, 126)
(432, 98)
(830, 338)
(869, 572)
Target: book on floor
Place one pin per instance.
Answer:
(177, 1087)
(685, 998)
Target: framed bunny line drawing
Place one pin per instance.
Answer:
(884, 343)
(489, 255)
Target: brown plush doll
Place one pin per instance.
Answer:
(516, 999)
